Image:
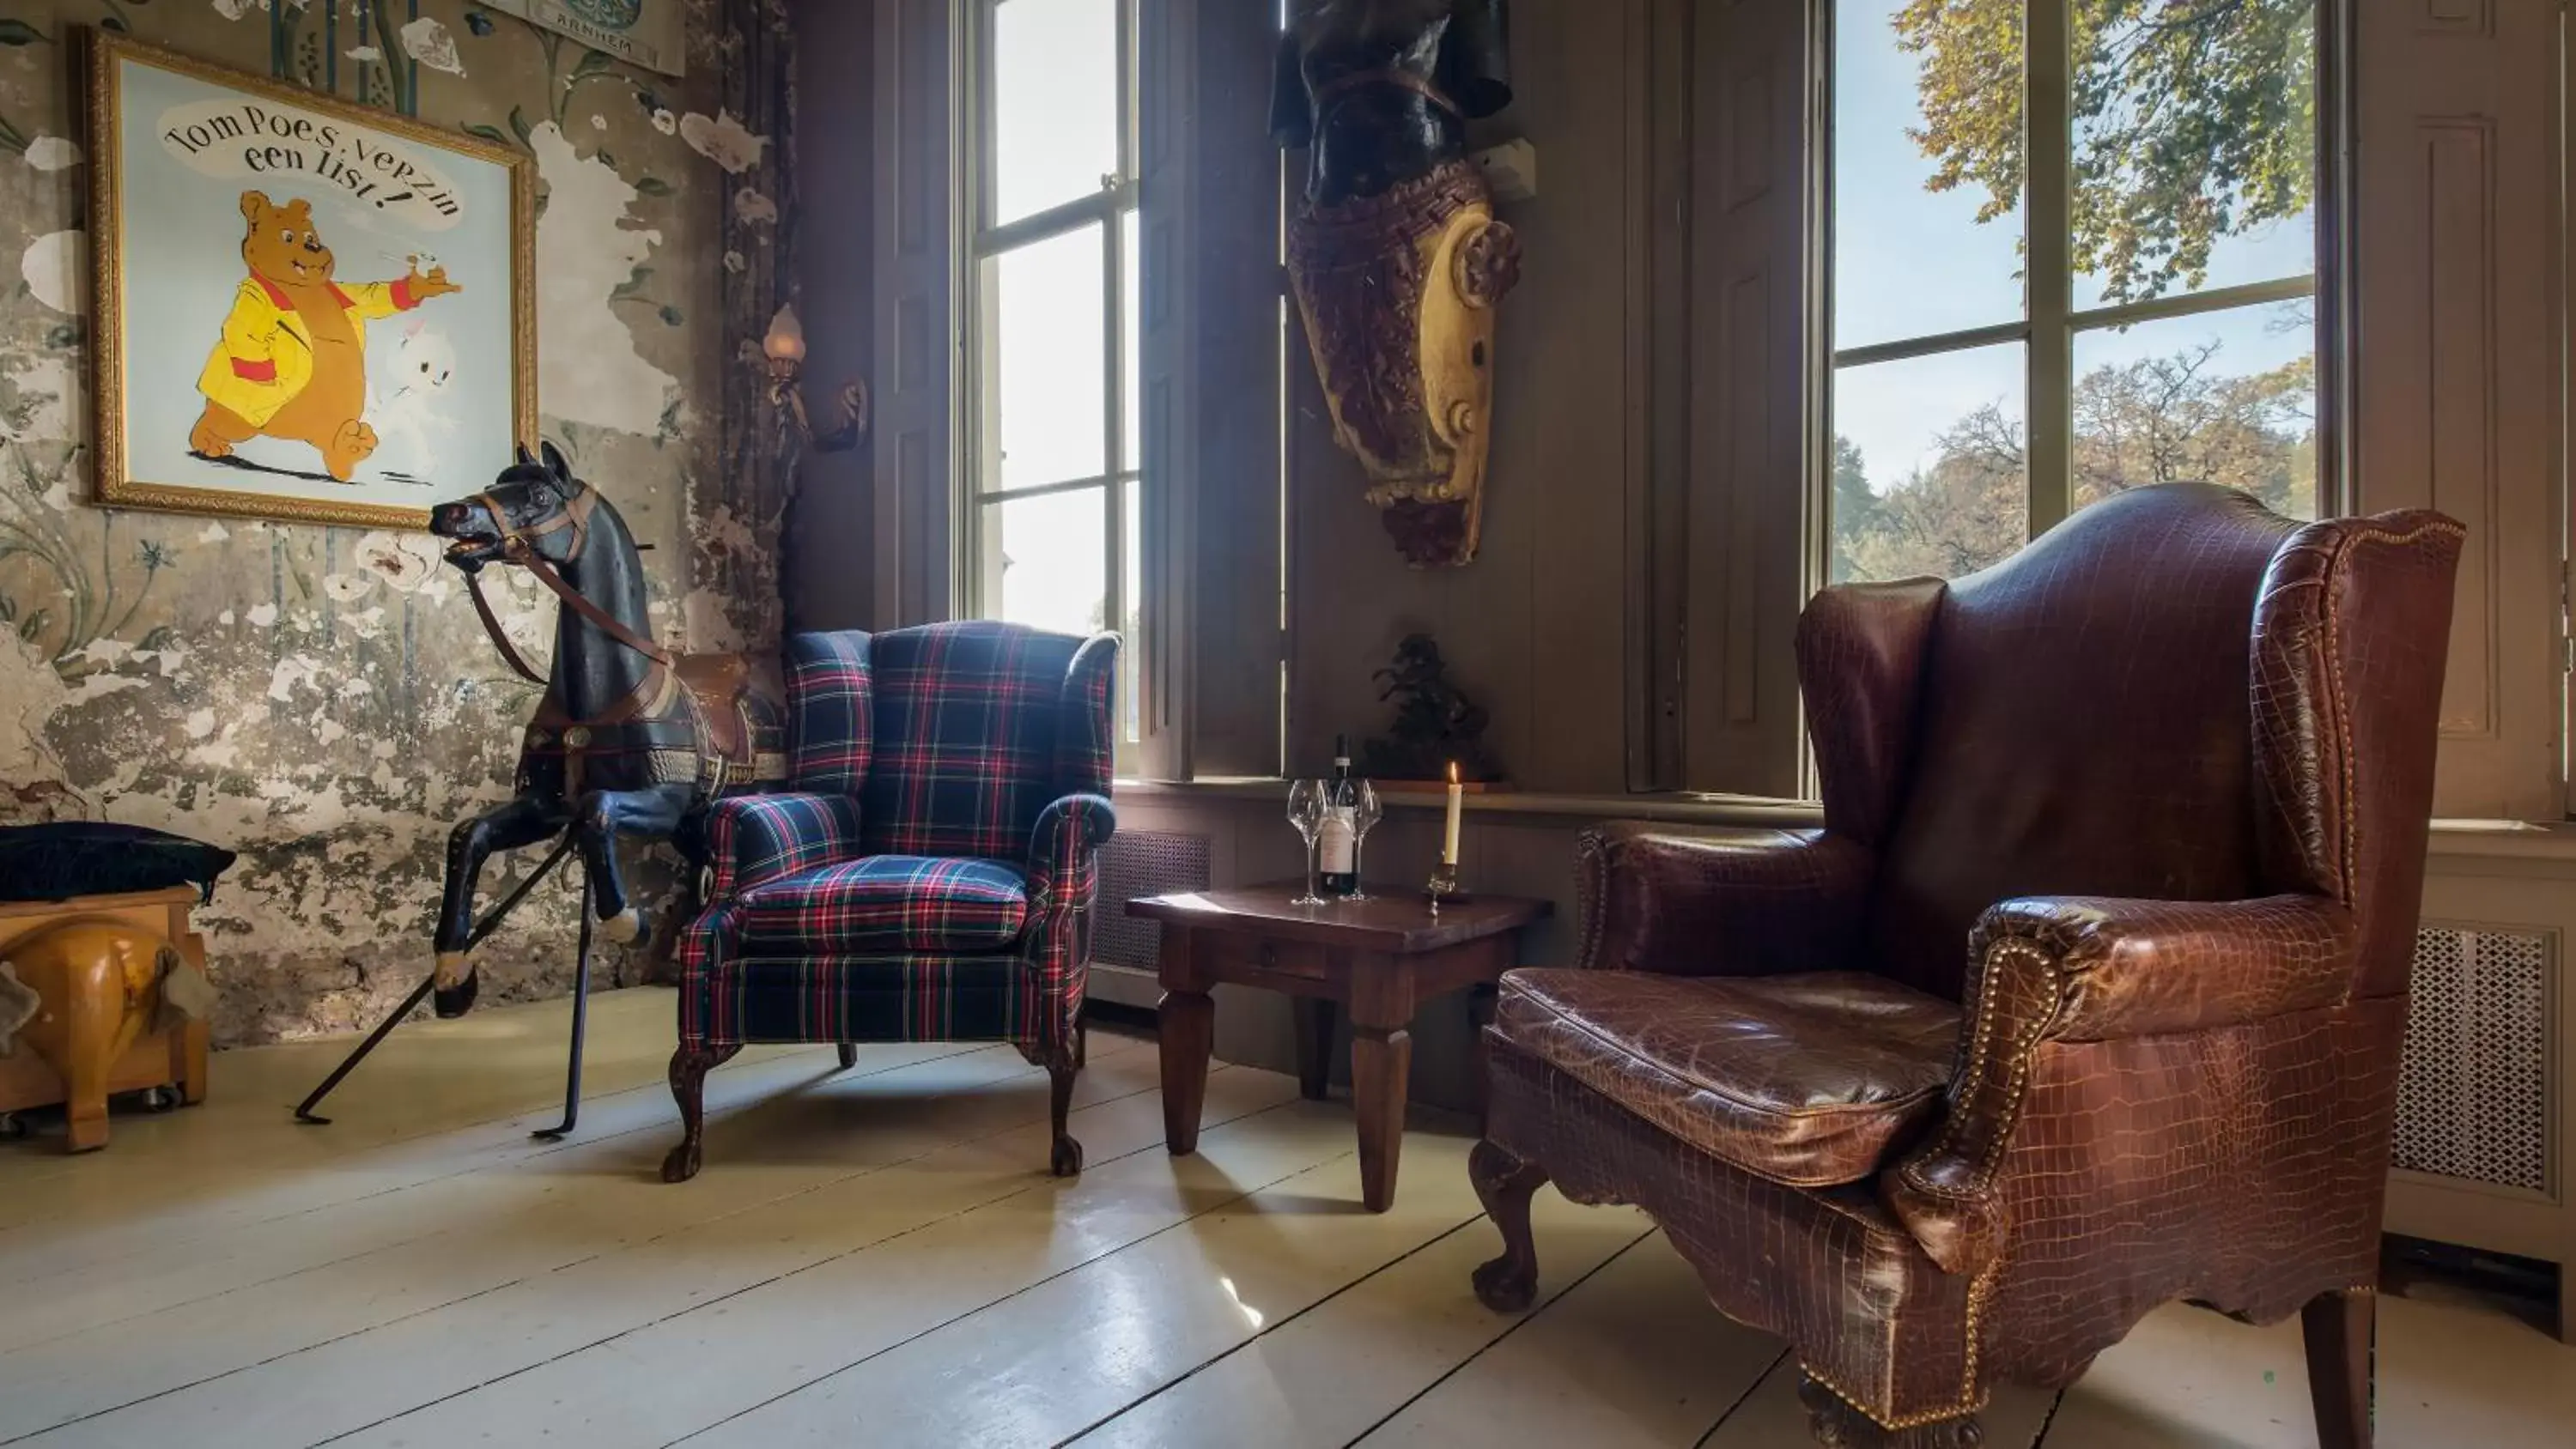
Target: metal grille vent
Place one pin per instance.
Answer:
(2473, 1100)
(1142, 863)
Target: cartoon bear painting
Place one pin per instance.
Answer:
(292, 361)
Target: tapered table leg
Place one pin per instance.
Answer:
(1381, 1066)
(1187, 1026)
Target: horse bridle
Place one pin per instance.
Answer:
(518, 547)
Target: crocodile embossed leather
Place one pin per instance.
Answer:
(2088, 997)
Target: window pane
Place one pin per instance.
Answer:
(2195, 149)
(1927, 169)
(1930, 465)
(1046, 561)
(1055, 102)
(1132, 648)
(1131, 345)
(1050, 389)
(2225, 397)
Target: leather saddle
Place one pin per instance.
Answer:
(742, 706)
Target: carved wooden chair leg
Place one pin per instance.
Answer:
(1837, 1424)
(2339, 1329)
(1063, 1065)
(1504, 1184)
(849, 1055)
(689, 1068)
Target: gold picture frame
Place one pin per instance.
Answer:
(307, 152)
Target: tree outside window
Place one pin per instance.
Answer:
(2074, 247)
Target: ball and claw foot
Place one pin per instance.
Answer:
(689, 1068)
(1838, 1425)
(1063, 1066)
(1505, 1285)
(1504, 1184)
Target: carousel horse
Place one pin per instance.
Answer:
(630, 739)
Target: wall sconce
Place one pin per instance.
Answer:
(783, 350)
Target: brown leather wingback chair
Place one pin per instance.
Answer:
(2087, 998)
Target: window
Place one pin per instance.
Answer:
(1054, 416)
(2073, 252)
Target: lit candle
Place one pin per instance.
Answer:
(1457, 803)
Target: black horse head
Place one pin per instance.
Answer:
(532, 505)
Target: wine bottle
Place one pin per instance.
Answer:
(1337, 842)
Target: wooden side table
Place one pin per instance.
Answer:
(1376, 959)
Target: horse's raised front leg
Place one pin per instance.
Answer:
(522, 822)
(653, 813)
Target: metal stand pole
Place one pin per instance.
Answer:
(580, 1023)
(411, 1003)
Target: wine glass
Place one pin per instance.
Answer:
(1306, 812)
(1365, 813)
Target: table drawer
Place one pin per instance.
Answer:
(1227, 956)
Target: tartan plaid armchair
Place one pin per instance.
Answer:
(929, 874)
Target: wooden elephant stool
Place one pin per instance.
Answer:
(106, 994)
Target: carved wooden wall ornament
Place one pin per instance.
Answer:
(1395, 254)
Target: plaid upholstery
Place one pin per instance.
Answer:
(890, 997)
(934, 878)
(831, 712)
(888, 903)
(1086, 753)
(967, 717)
(1064, 850)
(752, 839)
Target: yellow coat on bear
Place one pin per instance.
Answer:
(266, 355)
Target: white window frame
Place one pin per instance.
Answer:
(2051, 323)
(1109, 209)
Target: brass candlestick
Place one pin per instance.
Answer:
(1443, 885)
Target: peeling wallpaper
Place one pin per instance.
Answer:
(320, 700)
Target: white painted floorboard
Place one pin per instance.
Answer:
(877, 1257)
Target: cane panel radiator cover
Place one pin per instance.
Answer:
(2473, 1096)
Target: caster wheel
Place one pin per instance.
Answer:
(1066, 1161)
(160, 1099)
(681, 1164)
(11, 1129)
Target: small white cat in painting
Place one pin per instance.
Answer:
(404, 409)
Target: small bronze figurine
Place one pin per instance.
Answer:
(1395, 254)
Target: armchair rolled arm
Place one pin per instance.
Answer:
(754, 839)
(2079, 968)
(1743, 903)
(1064, 850)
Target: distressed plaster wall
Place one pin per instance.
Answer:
(322, 700)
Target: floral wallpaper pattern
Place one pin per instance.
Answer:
(322, 700)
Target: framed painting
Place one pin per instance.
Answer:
(302, 309)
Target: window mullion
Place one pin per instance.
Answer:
(1913, 347)
(1113, 413)
(982, 102)
(2049, 142)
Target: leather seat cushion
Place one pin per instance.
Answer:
(888, 903)
(1803, 1080)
